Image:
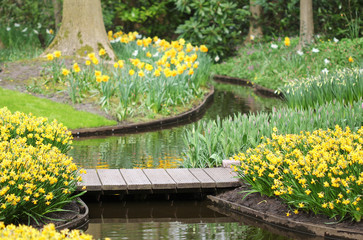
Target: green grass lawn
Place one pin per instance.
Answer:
(40, 107)
(272, 64)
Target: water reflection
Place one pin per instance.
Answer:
(167, 220)
(164, 148)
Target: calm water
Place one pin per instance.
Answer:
(164, 148)
(168, 220)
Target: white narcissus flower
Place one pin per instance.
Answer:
(315, 50)
(135, 53)
(299, 52)
(35, 31)
(8, 29)
(25, 29)
(325, 71)
(39, 25)
(335, 40)
(326, 61)
(274, 46)
(156, 54)
(16, 25)
(216, 58)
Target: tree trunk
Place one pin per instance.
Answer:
(306, 23)
(82, 30)
(255, 30)
(57, 13)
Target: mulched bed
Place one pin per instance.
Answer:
(274, 206)
(74, 216)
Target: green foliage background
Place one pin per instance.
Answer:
(219, 24)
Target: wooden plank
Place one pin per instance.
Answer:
(183, 178)
(160, 179)
(222, 177)
(90, 180)
(111, 179)
(205, 180)
(135, 179)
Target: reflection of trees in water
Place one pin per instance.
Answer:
(151, 150)
(180, 230)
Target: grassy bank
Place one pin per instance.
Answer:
(66, 114)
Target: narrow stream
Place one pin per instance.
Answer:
(179, 219)
(182, 219)
(164, 148)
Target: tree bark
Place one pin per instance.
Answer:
(82, 30)
(255, 30)
(306, 23)
(57, 13)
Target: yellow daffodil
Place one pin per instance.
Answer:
(102, 52)
(287, 41)
(105, 78)
(50, 57)
(76, 67)
(57, 54)
(65, 71)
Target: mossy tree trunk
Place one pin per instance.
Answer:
(82, 30)
(306, 23)
(255, 30)
(57, 10)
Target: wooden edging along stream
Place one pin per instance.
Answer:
(186, 117)
(244, 82)
(320, 230)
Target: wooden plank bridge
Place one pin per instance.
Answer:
(178, 180)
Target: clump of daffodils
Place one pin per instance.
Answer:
(48, 232)
(320, 171)
(36, 175)
(36, 130)
(152, 76)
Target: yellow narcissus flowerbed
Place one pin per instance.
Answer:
(11, 232)
(36, 175)
(36, 130)
(320, 171)
(151, 77)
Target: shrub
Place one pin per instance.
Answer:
(214, 23)
(319, 171)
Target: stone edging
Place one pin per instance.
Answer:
(80, 221)
(185, 117)
(300, 227)
(244, 82)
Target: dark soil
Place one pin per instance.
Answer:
(72, 210)
(274, 206)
